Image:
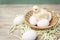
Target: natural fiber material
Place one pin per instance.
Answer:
(52, 22)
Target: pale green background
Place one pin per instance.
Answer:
(29, 1)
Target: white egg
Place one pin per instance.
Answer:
(32, 20)
(59, 39)
(35, 8)
(49, 16)
(18, 20)
(29, 35)
(42, 23)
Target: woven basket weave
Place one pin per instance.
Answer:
(52, 22)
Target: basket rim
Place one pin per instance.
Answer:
(36, 27)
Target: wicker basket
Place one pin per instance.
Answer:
(52, 22)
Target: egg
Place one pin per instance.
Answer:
(18, 20)
(29, 35)
(42, 23)
(49, 16)
(35, 9)
(32, 20)
(59, 39)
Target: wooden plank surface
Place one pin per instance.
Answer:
(8, 13)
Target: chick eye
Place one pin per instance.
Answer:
(35, 9)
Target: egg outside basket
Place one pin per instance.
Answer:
(52, 22)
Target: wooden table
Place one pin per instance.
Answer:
(8, 13)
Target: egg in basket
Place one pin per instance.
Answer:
(40, 18)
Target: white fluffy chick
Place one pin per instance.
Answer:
(32, 20)
(18, 20)
(42, 23)
(29, 35)
(44, 14)
(35, 9)
(42, 11)
(41, 14)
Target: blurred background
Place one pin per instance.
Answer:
(29, 1)
(10, 8)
